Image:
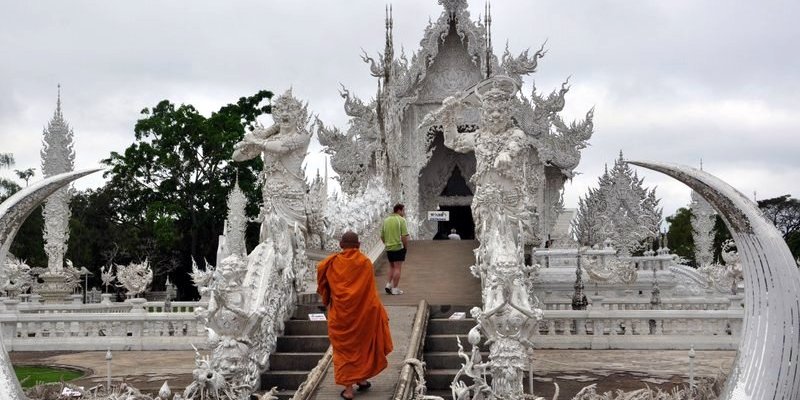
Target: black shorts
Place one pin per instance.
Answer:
(396, 255)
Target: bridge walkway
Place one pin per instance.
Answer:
(435, 270)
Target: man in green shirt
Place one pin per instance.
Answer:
(394, 235)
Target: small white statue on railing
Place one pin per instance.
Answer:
(16, 277)
(609, 269)
(72, 275)
(135, 277)
(726, 277)
(107, 276)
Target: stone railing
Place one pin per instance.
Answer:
(643, 303)
(548, 258)
(371, 244)
(104, 307)
(640, 329)
(24, 329)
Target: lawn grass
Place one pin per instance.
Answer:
(41, 374)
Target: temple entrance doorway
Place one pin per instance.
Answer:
(460, 220)
(456, 198)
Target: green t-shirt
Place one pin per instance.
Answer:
(394, 228)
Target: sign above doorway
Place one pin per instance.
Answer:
(438, 215)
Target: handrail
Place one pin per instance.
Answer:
(403, 390)
(315, 377)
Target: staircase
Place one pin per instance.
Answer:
(440, 351)
(437, 271)
(298, 350)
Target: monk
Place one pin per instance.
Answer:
(358, 326)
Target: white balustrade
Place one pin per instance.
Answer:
(35, 327)
(640, 329)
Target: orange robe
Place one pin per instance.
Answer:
(358, 326)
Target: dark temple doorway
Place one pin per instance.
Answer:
(460, 220)
(456, 190)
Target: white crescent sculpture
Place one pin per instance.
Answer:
(13, 213)
(767, 365)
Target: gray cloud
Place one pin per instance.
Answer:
(673, 81)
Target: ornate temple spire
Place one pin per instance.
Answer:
(488, 23)
(620, 209)
(58, 157)
(388, 54)
(237, 221)
(58, 101)
(702, 220)
(579, 301)
(453, 6)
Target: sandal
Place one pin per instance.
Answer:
(344, 397)
(364, 387)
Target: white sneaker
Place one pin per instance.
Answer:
(388, 287)
(396, 291)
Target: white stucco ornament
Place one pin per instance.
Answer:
(251, 296)
(135, 277)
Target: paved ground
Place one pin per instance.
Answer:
(425, 276)
(609, 368)
(146, 370)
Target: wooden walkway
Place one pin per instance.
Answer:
(434, 270)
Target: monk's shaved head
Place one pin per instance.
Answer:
(349, 240)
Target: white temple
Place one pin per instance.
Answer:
(389, 138)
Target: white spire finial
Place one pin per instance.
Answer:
(58, 100)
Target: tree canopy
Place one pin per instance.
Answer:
(7, 186)
(783, 211)
(679, 235)
(168, 189)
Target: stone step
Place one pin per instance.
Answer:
(447, 360)
(447, 343)
(281, 395)
(450, 326)
(302, 310)
(302, 343)
(443, 311)
(441, 379)
(305, 327)
(445, 394)
(283, 379)
(299, 361)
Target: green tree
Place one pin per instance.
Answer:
(28, 244)
(169, 188)
(784, 212)
(679, 234)
(721, 235)
(7, 186)
(6, 160)
(25, 174)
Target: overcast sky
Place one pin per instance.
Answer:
(671, 80)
